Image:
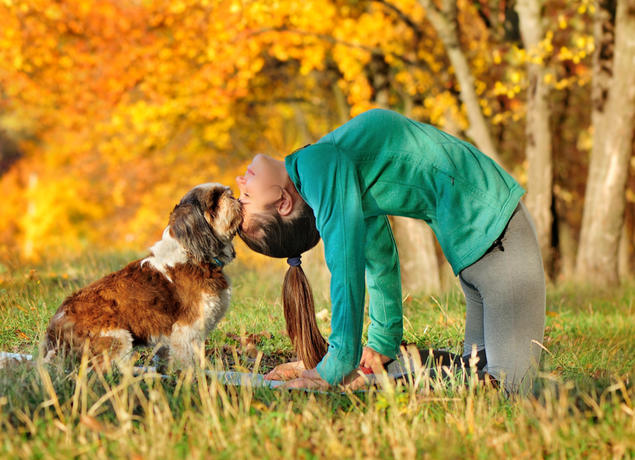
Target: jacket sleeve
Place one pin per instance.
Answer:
(384, 287)
(329, 184)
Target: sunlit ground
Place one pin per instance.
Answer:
(583, 406)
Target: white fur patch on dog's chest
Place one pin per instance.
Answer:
(214, 307)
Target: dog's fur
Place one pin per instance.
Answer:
(173, 298)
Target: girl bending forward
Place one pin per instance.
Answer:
(342, 189)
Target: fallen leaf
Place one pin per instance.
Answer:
(250, 350)
(21, 334)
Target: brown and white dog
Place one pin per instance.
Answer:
(173, 298)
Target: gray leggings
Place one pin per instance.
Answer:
(505, 297)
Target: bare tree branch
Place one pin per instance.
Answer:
(404, 17)
(450, 9)
(336, 41)
(446, 24)
(430, 7)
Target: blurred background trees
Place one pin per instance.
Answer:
(111, 110)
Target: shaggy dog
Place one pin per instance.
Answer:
(173, 298)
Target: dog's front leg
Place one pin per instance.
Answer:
(186, 346)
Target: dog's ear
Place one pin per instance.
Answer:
(189, 226)
(227, 217)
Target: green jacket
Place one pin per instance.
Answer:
(381, 163)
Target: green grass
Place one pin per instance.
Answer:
(583, 406)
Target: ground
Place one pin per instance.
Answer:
(583, 406)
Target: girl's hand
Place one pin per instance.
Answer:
(373, 360)
(355, 380)
(309, 380)
(286, 371)
(370, 360)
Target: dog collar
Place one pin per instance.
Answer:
(217, 262)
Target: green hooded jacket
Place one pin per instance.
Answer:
(381, 163)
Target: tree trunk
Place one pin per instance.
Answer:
(9, 153)
(445, 23)
(343, 109)
(613, 117)
(624, 255)
(417, 256)
(538, 134)
(566, 244)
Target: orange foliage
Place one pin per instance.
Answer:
(120, 107)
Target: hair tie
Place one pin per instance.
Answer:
(294, 261)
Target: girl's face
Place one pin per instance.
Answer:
(260, 186)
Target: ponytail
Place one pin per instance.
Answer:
(272, 235)
(299, 314)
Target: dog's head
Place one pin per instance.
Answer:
(205, 221)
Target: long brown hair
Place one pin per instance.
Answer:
(299, 314)
(272, 235)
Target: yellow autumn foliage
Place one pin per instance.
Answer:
(120, 107)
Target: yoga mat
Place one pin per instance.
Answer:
(6, 358)
(399, 368)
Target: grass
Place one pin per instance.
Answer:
(583, 406)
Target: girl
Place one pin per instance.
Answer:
(341, 189)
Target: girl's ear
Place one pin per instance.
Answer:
(285, 205)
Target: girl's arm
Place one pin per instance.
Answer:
(329, 184)
(384, 287)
